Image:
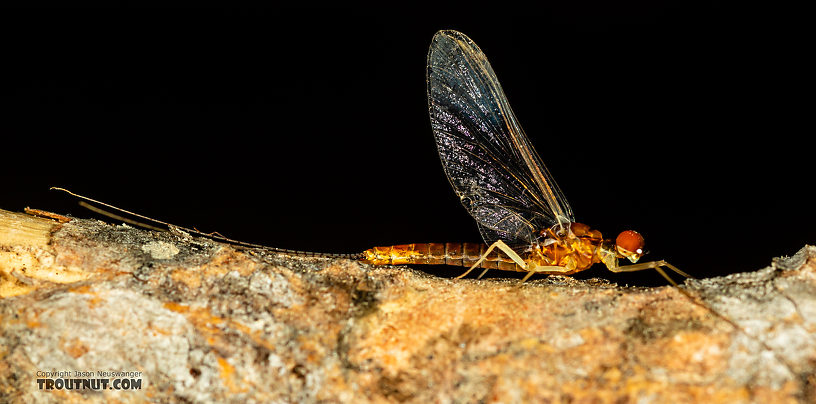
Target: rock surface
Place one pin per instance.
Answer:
(198, 321)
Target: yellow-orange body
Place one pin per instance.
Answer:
(574, 248)
(458, 254)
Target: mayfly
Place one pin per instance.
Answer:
(500, 179)
(524, 218)
(522, 215)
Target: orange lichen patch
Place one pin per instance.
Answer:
(227, 373)
(643, 385)
(205, 322)
(406, 325)
(227, 370)
(229, 261)
(83, 289)
(226, 261)
(210, 325)
(313, 347)
(74, 348)
(189, 277)
(255, 335)
(335, 387)
(349, 270)
(63, 396)
(763, 394)
(544, 377)
(590, 350)
(94, 300)
(160, 330)
(33, 322)
(633, 388)
(178, 308)
(690, 355)
(200, 316)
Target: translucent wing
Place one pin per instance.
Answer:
(487, 157)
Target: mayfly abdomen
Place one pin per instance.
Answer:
(459, 254)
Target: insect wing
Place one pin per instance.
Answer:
(486, 156)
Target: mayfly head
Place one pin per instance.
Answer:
(629, 245)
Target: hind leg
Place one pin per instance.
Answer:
(503, 247)
(546, 269)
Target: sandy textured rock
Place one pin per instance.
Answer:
(204, 321)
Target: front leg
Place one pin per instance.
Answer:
(656, 265)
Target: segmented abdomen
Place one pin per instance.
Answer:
(459, 254)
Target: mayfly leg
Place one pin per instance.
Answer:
(501, 245)
(656, 265)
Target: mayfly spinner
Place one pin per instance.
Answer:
(523, 216)
(501, 181)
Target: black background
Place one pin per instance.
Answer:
(308, 129)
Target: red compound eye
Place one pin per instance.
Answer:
(630, 240)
